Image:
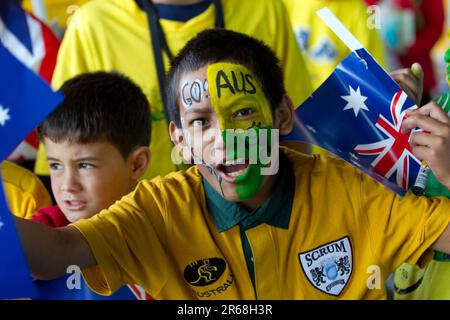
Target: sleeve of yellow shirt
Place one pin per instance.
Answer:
(402, 229)
(128, 242)
(24, 191)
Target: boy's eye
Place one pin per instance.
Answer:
(199, 122)
(243, 113)
(84, 165)
(55, 166)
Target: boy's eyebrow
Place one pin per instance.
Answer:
(86, 159)
(197, 110)
(76, 159)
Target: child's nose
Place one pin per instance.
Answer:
(70, 182)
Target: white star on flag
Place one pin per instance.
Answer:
(1, 225)
(4, 115)
(355, 101)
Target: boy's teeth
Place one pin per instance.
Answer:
(236, 173)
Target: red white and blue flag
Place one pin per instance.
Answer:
(357, 114)
(25, 100)
(33, 43)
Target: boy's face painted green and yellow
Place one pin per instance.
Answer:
(215, 101)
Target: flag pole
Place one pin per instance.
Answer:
(339, 29)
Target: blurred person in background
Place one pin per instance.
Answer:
(410, 29)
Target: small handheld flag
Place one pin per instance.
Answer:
(357, 114)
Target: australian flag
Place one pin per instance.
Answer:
(25, 100)
(15, 277)
(34, 44)
(357, 114)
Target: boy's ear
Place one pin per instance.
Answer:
(176, 135)
(284, 116)
(140, 159)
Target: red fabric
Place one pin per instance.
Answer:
(404, 4)
(371, 2)
(51, 216)
(51, 43)
(432, 12)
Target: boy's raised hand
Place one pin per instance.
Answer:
(433, 144)
(411, 81)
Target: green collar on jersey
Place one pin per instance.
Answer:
(276, 211)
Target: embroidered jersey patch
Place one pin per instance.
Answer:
(209, 277)
(329, 266)
(204, 272)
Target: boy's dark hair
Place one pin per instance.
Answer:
(100, 105)
(217, 45)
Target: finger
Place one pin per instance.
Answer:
(426, 123)
(406, 76)
(417, 70)
(423, 139)
(408, 82)
(434, 111)
(422, 153)
(403, 70)
(410, 92)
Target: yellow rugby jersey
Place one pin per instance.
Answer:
(322, 49)
(25, 193)
(106, 32)
(343, 229)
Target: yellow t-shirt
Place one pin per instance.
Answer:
(322, 49)
(25, 193)
(113, 35)
(343, 226)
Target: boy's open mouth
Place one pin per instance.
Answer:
(74, 205)
(231, 171)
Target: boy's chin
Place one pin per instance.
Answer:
(230, 195)
(74, 216)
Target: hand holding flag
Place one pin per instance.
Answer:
(432, 144)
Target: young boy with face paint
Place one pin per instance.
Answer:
(236, 174)
(225, 230)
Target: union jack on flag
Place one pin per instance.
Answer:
(357, 114)
(394, 152)
(33, 43)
